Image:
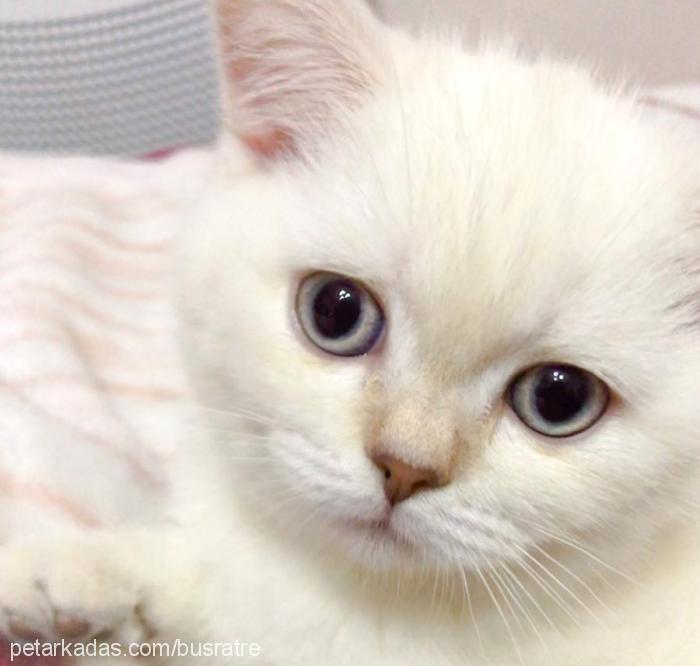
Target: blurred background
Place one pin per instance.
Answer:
(657, 41)
(132, 77)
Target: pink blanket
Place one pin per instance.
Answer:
(86, 331)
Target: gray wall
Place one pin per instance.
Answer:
(657, 41)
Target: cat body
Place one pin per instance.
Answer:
(395, 503)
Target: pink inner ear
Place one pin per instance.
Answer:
(270, 144)
(267, 143)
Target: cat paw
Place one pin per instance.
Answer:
(50, 592)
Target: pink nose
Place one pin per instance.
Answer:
(401, 480)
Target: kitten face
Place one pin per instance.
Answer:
(503, 216)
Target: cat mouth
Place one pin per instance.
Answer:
(380, 529)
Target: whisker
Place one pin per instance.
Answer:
(237, 412)
(565, 588)
(547, 588)
(572, 544)
(503, 617)
(577, 578)
(470, 607)
(260, 459)
(500, 586)
(532, 600)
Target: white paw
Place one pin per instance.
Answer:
(52, 591)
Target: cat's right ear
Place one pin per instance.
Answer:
(289, 67)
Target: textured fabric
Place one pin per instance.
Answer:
(130, 80)
(87, 349)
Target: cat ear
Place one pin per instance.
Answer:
(290, 66)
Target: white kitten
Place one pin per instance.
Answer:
(465, 284)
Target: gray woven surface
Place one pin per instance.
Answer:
(129, 81)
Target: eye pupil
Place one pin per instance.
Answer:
(337, 309)
(560, 393)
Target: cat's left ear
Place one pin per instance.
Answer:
(289, 67)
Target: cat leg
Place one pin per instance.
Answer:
(125, 588)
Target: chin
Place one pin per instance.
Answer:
(373, 546)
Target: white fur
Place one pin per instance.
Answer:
(506, 214)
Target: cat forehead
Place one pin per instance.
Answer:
(490, 204)
(514, 144)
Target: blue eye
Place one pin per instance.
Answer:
(558, 400)
(338, 314)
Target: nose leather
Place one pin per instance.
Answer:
(401, 480)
